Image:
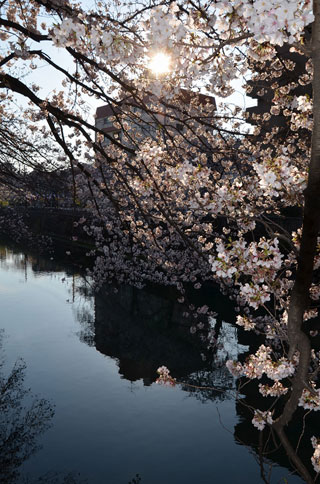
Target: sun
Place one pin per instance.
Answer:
(160, 63)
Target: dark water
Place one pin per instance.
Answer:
(92, 360)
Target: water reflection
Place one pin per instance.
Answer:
(294, 452)
(141, 330)
(25, 261)
(288, 442)
(147, 330)
(23, 418)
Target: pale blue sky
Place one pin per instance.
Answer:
(48, 79)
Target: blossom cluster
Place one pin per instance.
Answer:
(310, 400)
(168, 28)
(261, 418)
(276, 390)
(245, 322)
(280, 174)
(260, 261)
(273, 21)
(235, 368)
(277, 21)
(315, 459)
(165, 25)
(106, 44)
(68, 33)
(164, 376)
(261, 363)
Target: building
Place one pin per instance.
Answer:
(132, 120)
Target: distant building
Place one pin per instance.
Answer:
(142, 120)
(263, 90)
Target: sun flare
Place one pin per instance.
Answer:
(160, 63)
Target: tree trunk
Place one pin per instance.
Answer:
(299, 300)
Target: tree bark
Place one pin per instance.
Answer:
(311, 219)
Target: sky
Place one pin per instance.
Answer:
(48, 79)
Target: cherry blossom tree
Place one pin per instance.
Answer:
(188, 192)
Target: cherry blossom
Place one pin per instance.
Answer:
(276, 390)
(164, 376)
(315, 459)
(183, 191)
(261, 419)
(310, 400)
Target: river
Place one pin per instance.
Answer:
(97, 416)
